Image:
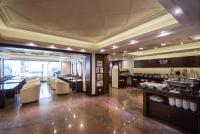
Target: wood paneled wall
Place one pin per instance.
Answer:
(191, 61)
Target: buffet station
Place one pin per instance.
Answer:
(175, 102)
(123, 78)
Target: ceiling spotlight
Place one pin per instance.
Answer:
(102, 50)
(195, 37)
(163, 33)
(141, 48)
(114, 47)
(69, 49)
(125, 51)
(181, 43)
(114, 53)
(131, 42)
(31, 44)
(178, 11)
(82, 50)
(52, 46)
(163, 44)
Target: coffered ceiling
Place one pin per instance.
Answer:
(85, 20)
(88, 24)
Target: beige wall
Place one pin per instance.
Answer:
(66, 68)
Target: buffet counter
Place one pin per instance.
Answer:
(179, 110)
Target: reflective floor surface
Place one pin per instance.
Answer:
(119, 113)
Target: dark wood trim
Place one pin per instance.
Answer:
(106, 74)
(190, 61)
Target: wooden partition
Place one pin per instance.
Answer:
(191, 61)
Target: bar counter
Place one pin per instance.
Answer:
(184, 120)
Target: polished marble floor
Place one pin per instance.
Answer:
(118, 113)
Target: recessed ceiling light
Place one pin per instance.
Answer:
(163, 33)
(69, 49)
(141, 48)
(131, 42)
(114, 53)
(82, 50)
(52, 46)
(178, 11)
(181, 43)
(31, 44)
(125, 51)
(102, 50)
(114, 47)
(195, 37)
(163, 44)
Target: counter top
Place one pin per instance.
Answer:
(166, 92)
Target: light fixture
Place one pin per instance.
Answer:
(31, 44)
(195, 37)
(181, 43)
(52, 46)
(82, 50)
(163, 44)
(114, 47)
(163, 33)
(178, 11)
(125, 51)
(114, 53)
(69, 49)
(131, 42)
(141, 48)
(102, 50)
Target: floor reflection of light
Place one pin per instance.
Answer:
(81, 125)
(54, 131)
(74, 116)
(70, 126)
(124, 132)
(114, 132)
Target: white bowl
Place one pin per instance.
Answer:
(172, 101)
(179, 103)
(186, 104)
(193, 106)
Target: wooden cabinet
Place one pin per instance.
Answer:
(184, 120)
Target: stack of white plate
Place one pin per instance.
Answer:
(172, 101)
(193, 106)
(186, 104)
(179, 103)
